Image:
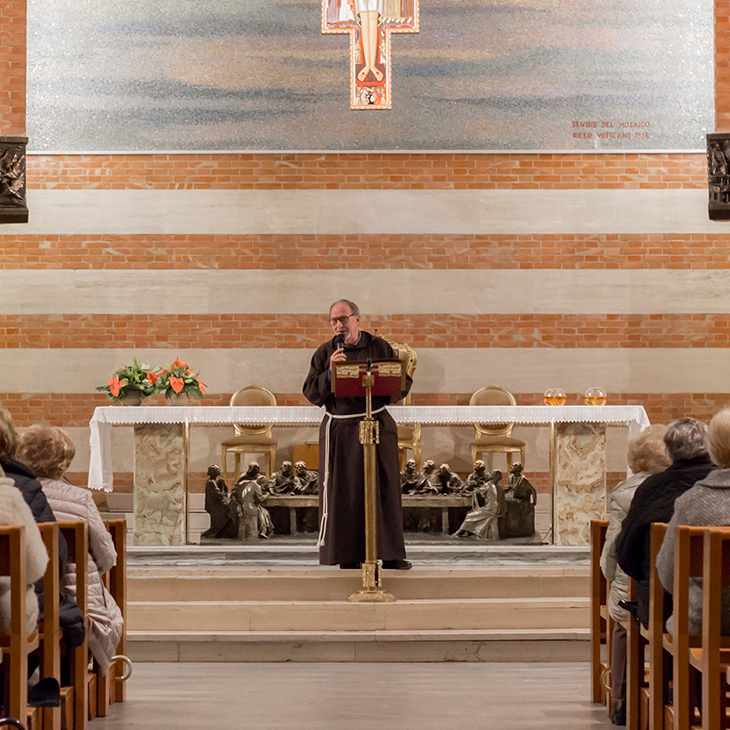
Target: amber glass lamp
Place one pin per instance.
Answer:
(595, 397)
(554, 397)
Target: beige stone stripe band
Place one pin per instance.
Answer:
(453, 370)
(452, 212)
(378, 292)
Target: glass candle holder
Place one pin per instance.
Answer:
(554, 397)
(595, 397)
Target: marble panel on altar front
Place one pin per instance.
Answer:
(160, 472)
(579, 474)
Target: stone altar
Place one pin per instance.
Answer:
(582, 506)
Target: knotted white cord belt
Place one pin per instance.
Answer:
(325, 482)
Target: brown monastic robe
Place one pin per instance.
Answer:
(344, 533)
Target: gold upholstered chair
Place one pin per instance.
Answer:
(495, 438)
(250, 439)
(409, 435)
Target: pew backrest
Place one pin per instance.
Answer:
(15, 663)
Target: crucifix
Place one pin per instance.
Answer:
(370, 24)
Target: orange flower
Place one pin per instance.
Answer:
(152, 377)
(177, 384)
(202, 386)
(115, 385)
(188, 372)
(178, 364)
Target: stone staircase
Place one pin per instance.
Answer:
(216, 607)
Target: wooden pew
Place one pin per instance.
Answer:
(16, 646)
(635, 665)
(653, 698)
(645, 688)
(713, 656)
(688, 559)
(78, 553)
(118, 589)
(110, 687)
(49, 629)
(599, 619)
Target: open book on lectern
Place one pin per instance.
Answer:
(389, 378)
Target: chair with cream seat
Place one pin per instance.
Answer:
(250, 439)
(495, 438)
(409, 435)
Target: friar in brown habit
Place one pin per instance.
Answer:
(341, 475)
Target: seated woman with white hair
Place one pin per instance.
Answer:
(706, 504)
(654, 502)
(48, 451)
(647, 455)
(14, 511)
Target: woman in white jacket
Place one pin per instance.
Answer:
(14, 511)
(48, 451)
(647, 455)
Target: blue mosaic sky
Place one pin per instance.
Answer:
(115, 75)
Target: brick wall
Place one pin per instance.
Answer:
(368, 171)
(722, 65)
(12, 67)
(365, 251)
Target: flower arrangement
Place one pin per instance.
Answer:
(179, 378)
(138, 378)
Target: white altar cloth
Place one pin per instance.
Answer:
(101, 475)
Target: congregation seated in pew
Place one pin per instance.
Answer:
(48, 451)
(690, 494)
(705, 504)
(654, 499)
(14, 511)
(23, 478)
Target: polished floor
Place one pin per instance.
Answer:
(353, 696)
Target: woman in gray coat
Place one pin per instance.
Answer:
(707, 503)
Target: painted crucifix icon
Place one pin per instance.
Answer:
(370, 24)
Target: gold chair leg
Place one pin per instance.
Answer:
(417, 455)
(509, 460)
(224, 458)
(522, 456)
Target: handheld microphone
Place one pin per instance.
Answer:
(339, 341)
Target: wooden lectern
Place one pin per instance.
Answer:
(357, 380)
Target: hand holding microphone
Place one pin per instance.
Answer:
(339, 354)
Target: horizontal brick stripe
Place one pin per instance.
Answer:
(76, 409)
(496, 251)
(367, 171)
(12, 66)
(256, 331)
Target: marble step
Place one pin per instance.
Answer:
(467, 645)
(403, 615)
(328, 584)
(302, 553)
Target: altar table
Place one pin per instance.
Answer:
(577, 454)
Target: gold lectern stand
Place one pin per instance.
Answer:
(355, 380)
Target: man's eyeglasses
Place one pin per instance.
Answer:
(341, 320)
